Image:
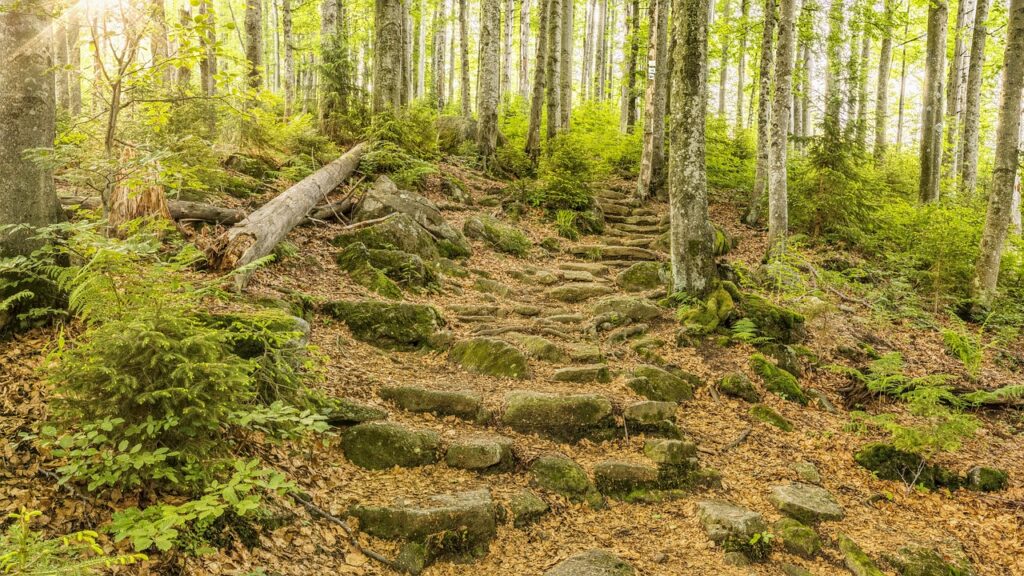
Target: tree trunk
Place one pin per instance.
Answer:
(972, 111)
(440, 43)
(524, 48)
(805, 130)
(757, 195)
(451, 55)
(421, 52)
(256, 235)
(833, 84)
(254, 42)
(861, 131)
(588, 47)
(289, 58)
(723, 73)
(74, 64)
(652, 177)
(568, 39)
(537, 102)
(506, 49)
(60, 47)
(158, 40)
(931, 123)
(741, 61)
(28, 116)
(554, 69)
(903, 86)
(180, 210)
(488, 92)
(602, 49)
(691, 233)
(882, 94)
(408, 76)
(956, 84)
(629, 80)
(389, 23)
(1007, 158)
(467, 109)
(778, 215)
(185, 65)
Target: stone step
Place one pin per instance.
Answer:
(567, 418)
(578, 291)
(641, 220)
(594, 268)
(635, 242)
(641, 228)
(604, 252)
(614, 209)
(592, 563)
(486, 453)
(616, 233)
(383, 445)
(611, 194)
(646, 212)
(465, 404)
(583, 374)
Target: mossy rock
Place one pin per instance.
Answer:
(777, 380)
(375, 281)
(497, 235)
(889, 463)
(857, 561)
(592, 563)
(464, 404)
(627, 481)
(723, 243)
(923, 561)
(643, 276)
(982, 479)
(579, 291)
(807, 503)
(402, 267)
(583, 374)
(776, 322)
(737, 385)
(797, 538)
(345, 412)
(395, 232)
(652, 418)
(491, 357)
(389, 325)
(488, 286)
(563, 476)
(734, 528)
(656, 383)
(526, 507)
(765, 414)
(567, 418)
(537, 347)
(382, 445)
(481, 453)
(628, 309)
(705, 318)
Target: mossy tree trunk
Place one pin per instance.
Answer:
(778, 213)
(1007, 160)
(488, 87)
(691, 233)
(537, 101)
(438, 67)
(553, 73)
(524, 49)
(467, 108)
(932, 116)
(387, 51)
(882, 93)
(254, 42)
(568, 40)
(972, 109)
(652, 157)
(764, 91)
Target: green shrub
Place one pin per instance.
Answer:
(566, 175)
(730, 159)
(403, 144)
(565, 224)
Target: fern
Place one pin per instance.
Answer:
(746, 331)
(25, 552)
(967, 348)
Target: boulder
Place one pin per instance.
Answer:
(537, 347)
(385, 198)
(797, 538)
(984, 479)
(345, 412)
(672, 452)
(481, 453)
(398, 232)
(628, 308)
(806, 502)
(592, 563)
(889, 463)
(381, 445)
(766, 414)
(806, 472)
(568, 418)
(780, 324)
(497, 235)
(656, 383)
(916, 560)
(402, 267)
(626, 480)
(857, 562)
(579, 291)
(734, 528)
(389, 325)
(526, 507)
(652, 418)
(777, 380)
(465, 404)
(643, 276)
(491, 357)
(590, 353)
(488, 286)
(563, 476)
(737, 385)
(583, 374)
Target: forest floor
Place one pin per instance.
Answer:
(656, 538)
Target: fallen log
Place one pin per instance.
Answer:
(258, 234)
(181, 210)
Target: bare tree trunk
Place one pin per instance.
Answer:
(467, 108)
(421, 51)
(691, 234)
(568, 39)
(861, 131)
(723, 73)
(882, 94)
(506, 50)
(805, 109)
(796, 122)
(537, 103)
(289, 58)
(652, 177)
(761, 167)
(972, 110)
(956, 84)
(158, 39)
(1007, 159)
(554, 69)
(451, 55)
(741, 61)
(440, 44)
(903, 86)
(254, 42)
(778, 215)
(600, 71)
(74, 64)
(629, 78)
(185, 65)
(833, 84)
(488, 92)
(389, 23)
(588, 48)
(524, 49)
(931, 124)
(408, 76)
(28, 115)
(60, 54)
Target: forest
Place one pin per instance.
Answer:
(511, 287)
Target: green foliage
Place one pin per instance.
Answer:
(26, 552)
(729, 159)
(565, 224)
(404, 145)
(966, 347)
(567, 174)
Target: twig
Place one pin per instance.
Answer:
(315, 510)
(739, 440)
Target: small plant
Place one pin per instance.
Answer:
(565, 223)
(745, 330)
(967, 348)
(26, 552)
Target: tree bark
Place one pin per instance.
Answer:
(932, 116)
(408, 76)
(972, 109)
(506, 49)
(60, 46)
(741, 61)
(568, 39)
(440, 43)
(882, 93)
(256, 235)
(761, 167)
(1007, 159)
(537, 102)
(28, 116)
(652, 161)
(956, 84)
(488, 92)
(833, 84)
(629, 78)
(180, 210)
(805, 131)
(289, 58)
(691, 233)
(524, 48)
(861, 132)
(254, 42)
(388, 45)
(903, 86)
(778, 215)
(602, 48)
(588, 47)
(467, 108)
(74, 64)
(158, 39)
(554, 69)
(421, 51)
(723, 73)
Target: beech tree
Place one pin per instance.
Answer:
(488, 91)
(389, 23)
(778, 209)
(932, 115)
(537, 100)
(651, 179)
(882, 91)
(972, 100)
(757, 195)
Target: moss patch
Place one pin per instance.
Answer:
(389, 325)
(890, 463)
(501, 237)
(768, 416)
(777, 380)
(491, 357)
